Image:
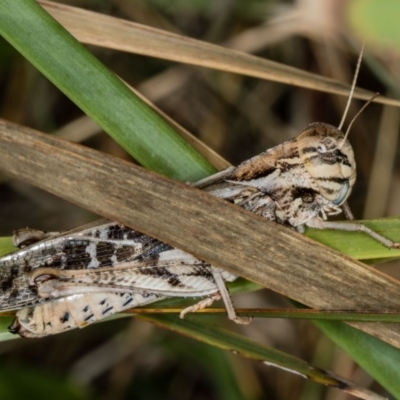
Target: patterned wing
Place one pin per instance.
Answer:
(105, 245)
(168, 273)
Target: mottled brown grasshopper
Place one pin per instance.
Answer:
(58, 282)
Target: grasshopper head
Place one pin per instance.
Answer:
(329, 161)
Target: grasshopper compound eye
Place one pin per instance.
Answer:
(332, 167)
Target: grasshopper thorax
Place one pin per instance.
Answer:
(329, 160)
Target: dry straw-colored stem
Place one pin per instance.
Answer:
(113, 33)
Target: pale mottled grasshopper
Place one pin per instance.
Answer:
(58, 282)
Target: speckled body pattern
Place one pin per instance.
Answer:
(101, 270)
(307, 177)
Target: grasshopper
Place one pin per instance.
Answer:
(60, 281)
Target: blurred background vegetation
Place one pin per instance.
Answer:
(238, 117)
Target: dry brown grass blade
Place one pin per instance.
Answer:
(101, 30)
(207, 227)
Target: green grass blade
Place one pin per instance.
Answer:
(358, 245)
(98, 92)
(6, 246)
(227, 340)
(378, 358)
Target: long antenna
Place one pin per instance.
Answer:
(353, 85)
(356, 116)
